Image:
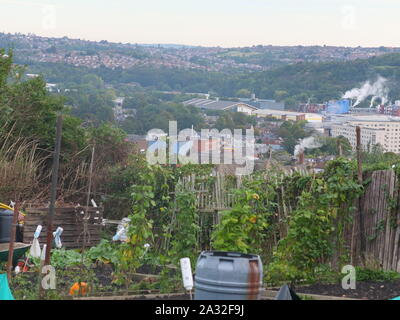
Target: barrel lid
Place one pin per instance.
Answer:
(230, 254)
(6, 212)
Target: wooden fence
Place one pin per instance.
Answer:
(210, 198)
(71, 220)
(380, 213)
(381, 220)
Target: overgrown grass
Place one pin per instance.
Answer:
(20, 168)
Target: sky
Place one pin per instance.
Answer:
(225, 23)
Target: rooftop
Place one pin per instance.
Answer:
(215, 104)
(277, 112)
(375, 118)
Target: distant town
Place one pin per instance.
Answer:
(90, 54)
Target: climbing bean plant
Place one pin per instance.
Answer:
(246, 226)
(139, 233)
(186, 228)
(316, 225)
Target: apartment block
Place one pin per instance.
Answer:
(373, 132)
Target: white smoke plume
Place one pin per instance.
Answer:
(307, 143)
(378, 89)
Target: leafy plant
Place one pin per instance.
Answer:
(131, 253)
(184, 239)
(62, 258)
(364, 274)
(316, 225)
(244, 228)
(105, 252)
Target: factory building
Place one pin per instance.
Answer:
(264, 103)
(288, 115)
(220, 105)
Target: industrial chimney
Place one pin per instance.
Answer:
(301, 158)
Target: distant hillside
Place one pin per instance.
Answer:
(328, 80)
(293, 83)
(322, 81)
(92, 54)
(294, 74)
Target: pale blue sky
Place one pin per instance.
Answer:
(210, 22)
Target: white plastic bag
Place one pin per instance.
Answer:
(35, 250)
(121, 230)
(57, 237)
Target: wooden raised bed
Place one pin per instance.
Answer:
(19, 250)
(266, 295)
(271, 294)
(168, 296)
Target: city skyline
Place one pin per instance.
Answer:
(234, 23)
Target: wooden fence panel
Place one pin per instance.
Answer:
(380, 211)
(71, 220)
(381, 214)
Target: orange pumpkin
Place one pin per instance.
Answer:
(76, 289)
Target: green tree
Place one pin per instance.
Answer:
(332, 146)
(243, 93)
(291, 132)
(29, 111)
(281, 95)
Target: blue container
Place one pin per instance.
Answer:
(228, 276)
(339, 107)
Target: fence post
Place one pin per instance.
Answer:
(340, 148)
(357, 238)
(53, 196)
(56, 164)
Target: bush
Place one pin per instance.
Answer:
(363, 274)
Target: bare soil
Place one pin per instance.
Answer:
(367, 290)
